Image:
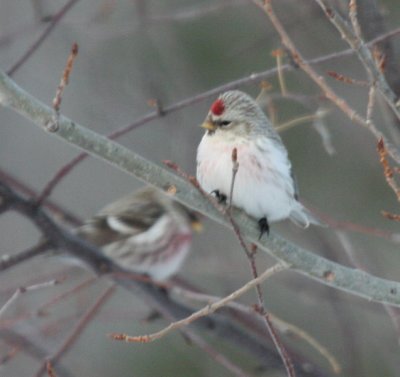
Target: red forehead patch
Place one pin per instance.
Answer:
(218, 107)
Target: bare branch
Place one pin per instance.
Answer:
(22, 290)
(362, 51)
(255, 315)
(371, 103)
(205, 311)
(255, 77)
(321, 82)
(10, 260)
(350, 280)
(62, 213)
(54, 21)
(157, 299)
(287, 362)
(77, 330)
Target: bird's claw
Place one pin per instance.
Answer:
(222, 198)
(264, 227)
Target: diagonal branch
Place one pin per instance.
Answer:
(301, 260)
(363, 53)
(203, 312)
(320, 80)
(220, 325)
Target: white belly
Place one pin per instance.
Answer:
(263, 185)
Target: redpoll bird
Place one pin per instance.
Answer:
(145, 232)
(264, 185)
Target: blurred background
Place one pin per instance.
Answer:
(131, 52)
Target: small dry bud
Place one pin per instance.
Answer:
(329, 276)
(390, 216)
(265, 85)
(234, 154)
(278, 53)
(170, 164)
(171, 190)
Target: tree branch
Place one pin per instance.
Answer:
(363, 53)
(301, 260)
(217, 324)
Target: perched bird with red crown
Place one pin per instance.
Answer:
(264, 186)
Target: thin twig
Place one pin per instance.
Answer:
(22, 290)
(278, 54)
(205, 311)
(54, 22)
(250, 256)
(371, 103)
(323, 130)
(60, 174)
(235, 168)
(215, 355)
(66, 294)
(9, 356)
(388, 171)
(393, 313)
(345, 79)
(363, 52)
(354, 18)
(63, 172)
(299, 120)
(77, 330)
(319, 80)
(60, 212)
(283, 325)
(300, 259)
(64, 79)
(53, 126)
(10, 260)
(50, 370)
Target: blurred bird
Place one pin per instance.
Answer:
(145, 232)
(264, 185)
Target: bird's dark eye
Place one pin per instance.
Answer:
(224, 123)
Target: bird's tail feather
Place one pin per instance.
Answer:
(302, 217)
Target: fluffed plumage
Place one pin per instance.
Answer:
(264, 185)
(144, 232)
